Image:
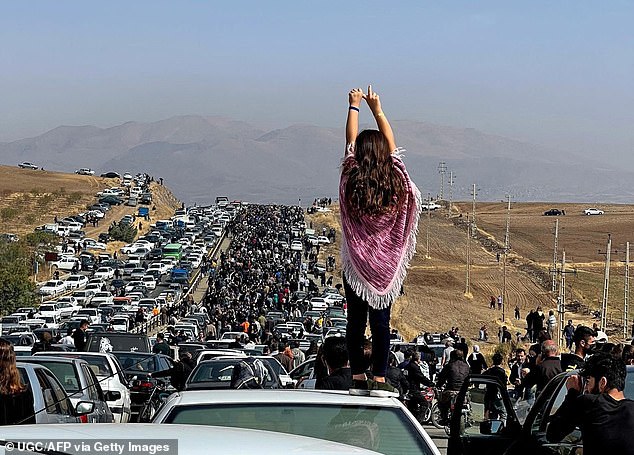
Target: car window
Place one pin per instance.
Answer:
(385, 430)
(484, 403)
(65, 374)
(63, 403)
(91, 388)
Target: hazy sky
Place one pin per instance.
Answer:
(558, 73)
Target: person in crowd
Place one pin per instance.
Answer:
(569, 333)
(446, 353)
(45, 343)
(79, 336)
(628, 354)
(515, 378)
(451, 377)
(418, 376)
(595, 403)
(377, 198)
(334, 354)
(161, 346)
(179, 372)
(16, 398)
(68, 339)
(551, 323)
(395, 376)
(585, 340)
(493, 404)
(477, 362)
(547, 367)
(284, 356)
(298, 355)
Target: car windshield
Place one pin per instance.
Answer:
(382, 429)
(217, 371)
(134, 362)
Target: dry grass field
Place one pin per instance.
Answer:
(435, 287)
(30, 198)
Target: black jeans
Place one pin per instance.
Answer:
(358, 310)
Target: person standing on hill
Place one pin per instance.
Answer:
(378, 200)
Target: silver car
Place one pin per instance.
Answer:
(50, 401)
(79, 382)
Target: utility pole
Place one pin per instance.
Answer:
(442, 169)
(451, 182)
(606, 285)
(554, 283)
(427, 256)
(626, 297)
(561, 300)
(506, 250)
(467, 291)
(473, 209)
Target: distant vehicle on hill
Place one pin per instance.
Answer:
(593, 211)
(27, 165)
(431, 206)
(111, 175)
(554, 212)
(85, 171)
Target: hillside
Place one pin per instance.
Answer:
(31, 198)
(202, 157)
(435, 288)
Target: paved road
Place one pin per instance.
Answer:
(439, 437)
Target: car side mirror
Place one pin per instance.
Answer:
(491, 427)
(113, 395)
(84, 407)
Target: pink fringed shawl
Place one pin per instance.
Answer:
(376, 250)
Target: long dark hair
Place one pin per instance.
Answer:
(10, 381)
(374, 186)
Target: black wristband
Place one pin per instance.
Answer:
(354, 108)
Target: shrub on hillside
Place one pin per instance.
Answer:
(8, 213)
(123, 232)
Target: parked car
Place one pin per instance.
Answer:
(52, 287)
(593, 211)
(108, 371)
(554, 212)
(90, 314)
(28, 165)
(83, 297)
(50, 400)
(523, 431)
(49, 309)
(216, 374)
(68, 306)
(79, 382)
(75, 281)
(85, 171)
(104, 273)
(380, 424)
(111, 175)
(67, 263)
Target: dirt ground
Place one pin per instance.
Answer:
(435, 298)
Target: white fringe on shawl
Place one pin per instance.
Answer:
(359, 285)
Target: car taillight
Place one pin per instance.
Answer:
(83, 419)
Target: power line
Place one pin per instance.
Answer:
(442, 169)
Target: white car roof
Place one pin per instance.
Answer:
(192, 439)
(275, 396)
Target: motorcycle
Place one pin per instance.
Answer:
(422, 411)
(154, 402)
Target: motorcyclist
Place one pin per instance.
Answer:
(451, 377)
(418, 377)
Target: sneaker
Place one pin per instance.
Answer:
(360, 388)
(382, 390)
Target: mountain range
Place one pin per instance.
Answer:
(204, 157)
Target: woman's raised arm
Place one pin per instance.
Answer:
(374, 103)
(352, 123)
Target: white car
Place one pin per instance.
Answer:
(85, 171)
(120, 323)
(323, 240)
(149, 282)
(333, 298)
(83, 297)
(94, 287)
(52, 287)
(593, 211)
(318, 304)
(132, 284)
(66, 263)
(76, 281)
(387, 425)
(191, 440)
(68, 306)
(91, 314)
(104, 273)
(91, 244)
(296, 245)
(159, 266)
(49, 309)
(102, 297)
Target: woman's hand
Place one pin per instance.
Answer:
(374, 103)
(355, 96)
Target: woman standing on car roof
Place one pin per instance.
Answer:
(16, 399)
(380, 207)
